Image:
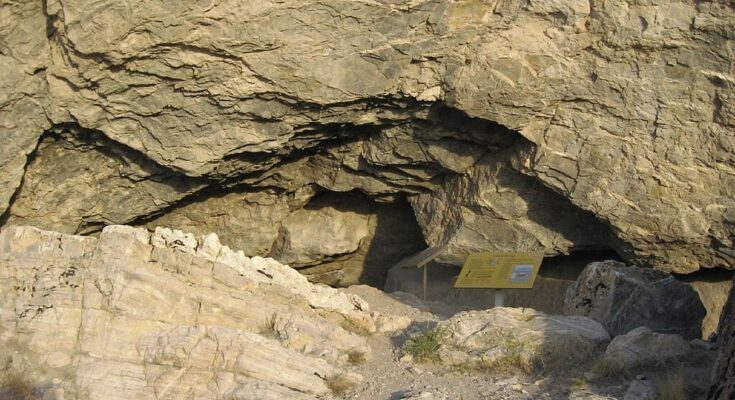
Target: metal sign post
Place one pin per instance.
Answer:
(498, 298)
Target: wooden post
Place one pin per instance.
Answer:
(426, 268)
(422, 260)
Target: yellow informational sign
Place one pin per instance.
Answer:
(500, 270)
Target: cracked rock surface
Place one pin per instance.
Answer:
(506, 125)
(167, 316)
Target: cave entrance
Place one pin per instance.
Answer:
(547, 295)
(349, 238)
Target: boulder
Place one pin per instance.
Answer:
(167, 315)
(624, 298)
(641, 347)
(723, 374)
(521, 338)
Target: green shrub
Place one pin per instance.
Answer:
(426, 345)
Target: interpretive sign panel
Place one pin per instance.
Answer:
(500, 270)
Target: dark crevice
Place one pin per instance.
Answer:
(93, 138)
(50, 20)
(707, 275)
(568, 267)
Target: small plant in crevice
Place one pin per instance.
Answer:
(269, 328)
(426, 346)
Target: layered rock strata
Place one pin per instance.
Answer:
(518, 337)
(170, 316)
(505, 124)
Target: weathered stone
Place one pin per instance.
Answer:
(624, 298)
(493, 207)
(619, 113)
(24, 58)
(245, 221)
(482, 339)
(723, 374)
(135, 315)
(641, 346)
(308, 236)
(81, 182)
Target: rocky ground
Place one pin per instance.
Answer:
(391, 374)
(166, 315)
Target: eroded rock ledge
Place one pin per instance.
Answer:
(505, 125)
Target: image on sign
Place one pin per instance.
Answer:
(521, 273)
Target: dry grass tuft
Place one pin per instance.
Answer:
(269, 328)
(353, 327)
(609, 367)
(339, 384)
(511, 357)
(355, 357)
(674, 387)
(14, 386)
(578, 383)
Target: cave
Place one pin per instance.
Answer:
(342, 213)
(196, 197)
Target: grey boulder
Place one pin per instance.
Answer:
(624, 298)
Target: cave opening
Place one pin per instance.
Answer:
(554, 277)
(347, 238)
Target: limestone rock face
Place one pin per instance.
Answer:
(506, 124)
(24, 59)
(167, 316)
(624, 298)
(485, 339)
